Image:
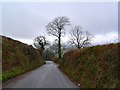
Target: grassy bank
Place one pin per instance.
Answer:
(17, 58)
(93, 67)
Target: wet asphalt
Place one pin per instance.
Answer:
(46, 76)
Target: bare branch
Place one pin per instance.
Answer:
(80, 38)
(40, 42)
(57, 29)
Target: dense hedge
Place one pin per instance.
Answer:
(18, 58)
(97, 66)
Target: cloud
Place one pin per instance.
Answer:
(105, 38)
(27, 41)
(27, 20)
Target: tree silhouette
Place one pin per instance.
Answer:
(40, 42)
(80, 38)
(57, 29)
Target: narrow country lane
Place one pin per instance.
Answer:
(47, 76)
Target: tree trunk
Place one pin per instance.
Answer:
(59, 46)
(78, 45)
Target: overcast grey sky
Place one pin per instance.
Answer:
(25, 21)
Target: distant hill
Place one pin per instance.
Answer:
(18, 58)
(97, 66)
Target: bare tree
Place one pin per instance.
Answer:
(57, 29)
(40, 42)
(80, 38)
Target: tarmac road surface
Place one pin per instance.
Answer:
(47, 76)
